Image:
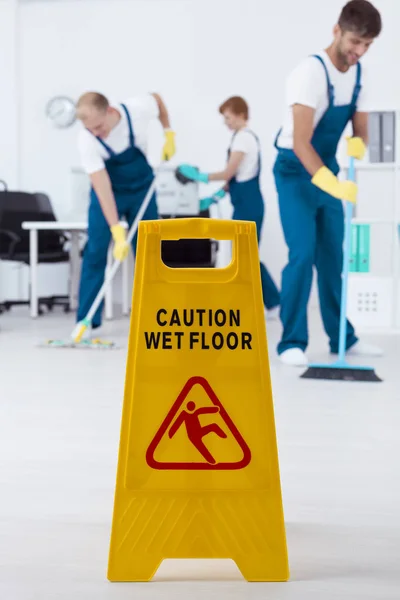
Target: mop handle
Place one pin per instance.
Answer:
(110, 275)
(345, 274)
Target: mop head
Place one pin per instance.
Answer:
(94, 344)
(76, 340)
(341, 373)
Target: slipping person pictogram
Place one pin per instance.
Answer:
(195, 431)
(185, 412)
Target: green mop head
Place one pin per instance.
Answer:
(95, 344)
(76, 340)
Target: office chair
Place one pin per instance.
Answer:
(2, 233)
(15, 208)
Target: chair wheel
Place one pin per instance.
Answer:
(49, 304)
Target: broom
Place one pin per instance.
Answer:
(341, 370)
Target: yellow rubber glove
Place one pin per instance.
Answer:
(355, 147)
(329, 183)
(169, 146)
(121, 248)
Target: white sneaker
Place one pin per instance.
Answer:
(363, 349)
(273, 313)
(294, 357)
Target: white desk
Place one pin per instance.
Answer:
(74, 228)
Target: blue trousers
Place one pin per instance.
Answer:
(313, 226)
(270, 291)
(99, 237)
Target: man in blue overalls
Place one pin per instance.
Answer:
(323, 94)
(113, 147)
(242, 177)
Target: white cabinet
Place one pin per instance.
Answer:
(374, 296)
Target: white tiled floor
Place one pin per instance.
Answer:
(339, 448)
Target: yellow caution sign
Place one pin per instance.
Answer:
(198, 472)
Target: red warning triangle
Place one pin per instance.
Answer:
(190, 419)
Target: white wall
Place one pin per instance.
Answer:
(9, 136)
(195, 53)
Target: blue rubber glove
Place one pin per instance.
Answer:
(193, 173)
(205, 203)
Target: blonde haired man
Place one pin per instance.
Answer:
(113, 147)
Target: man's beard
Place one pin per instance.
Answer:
(342, 57)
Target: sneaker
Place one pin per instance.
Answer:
(294, 357)
(273, 313)
(363, 349)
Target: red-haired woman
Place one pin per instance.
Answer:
(242, 177)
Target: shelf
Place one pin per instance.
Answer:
(372, 221)
(373, 166)
(359, 275)
(380, 185)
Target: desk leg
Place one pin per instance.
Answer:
(125, 277)
(108, 300)
(74, 265)
(33, 259)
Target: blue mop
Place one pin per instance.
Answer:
(341, 370)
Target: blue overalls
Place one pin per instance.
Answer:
(131, 176)
(248, 205)
(313, 226)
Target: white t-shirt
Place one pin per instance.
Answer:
(307, 85)
(245, 141)
(142, 109)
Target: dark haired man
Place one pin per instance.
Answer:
(113, 147)
(323, 93)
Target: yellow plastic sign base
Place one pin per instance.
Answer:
(198, 472)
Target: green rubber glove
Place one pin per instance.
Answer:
(205, 203)
(192, 173)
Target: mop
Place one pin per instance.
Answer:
(341, 370)
(75, 340)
